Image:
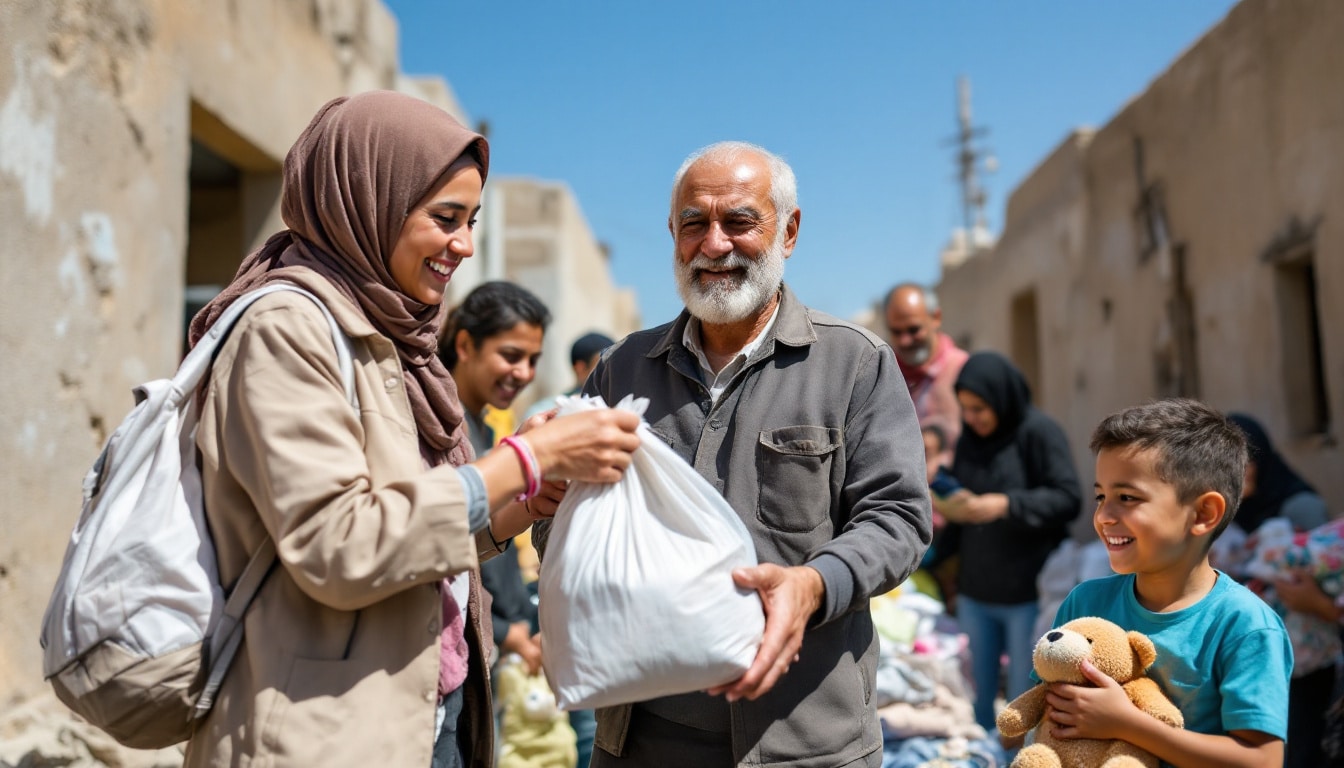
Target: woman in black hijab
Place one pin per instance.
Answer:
(1272, 488)
(1021, 494)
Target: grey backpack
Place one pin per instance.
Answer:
(138, 632)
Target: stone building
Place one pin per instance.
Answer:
(141, 143)
(548, 248)
(1194, 245)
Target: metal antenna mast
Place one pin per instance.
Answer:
(969, 158)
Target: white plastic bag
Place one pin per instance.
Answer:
(636, 595)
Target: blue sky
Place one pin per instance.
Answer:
(859, 97)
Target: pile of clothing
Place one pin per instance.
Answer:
(922, 690)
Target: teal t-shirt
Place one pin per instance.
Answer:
(1224, 661)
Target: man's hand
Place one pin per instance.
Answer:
(544, 504)
(1091, 713)
(790, 596)
(521, 641)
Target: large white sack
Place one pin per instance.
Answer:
(636, 595)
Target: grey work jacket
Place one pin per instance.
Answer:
(816, 444)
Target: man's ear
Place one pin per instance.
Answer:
(791, 231)
(671, 230)
(1209, 510)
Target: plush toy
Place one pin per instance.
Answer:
(1276, 549)
(534, 732)
(1123, 656)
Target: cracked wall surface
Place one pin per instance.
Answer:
(1241, 148)
(96, 125)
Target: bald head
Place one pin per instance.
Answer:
(913, 321)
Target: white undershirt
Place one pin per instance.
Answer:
(718, 382)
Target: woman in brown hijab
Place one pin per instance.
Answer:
(366, 645)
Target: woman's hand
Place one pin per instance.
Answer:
(952, 506)
(1299, 591)
(520, 640)
(968, 508)
(592, 446)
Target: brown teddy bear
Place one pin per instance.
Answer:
(1123, 656)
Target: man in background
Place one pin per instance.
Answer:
(929, 359)
(583, 355)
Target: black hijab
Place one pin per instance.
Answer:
(1274, 480)
(994, 379)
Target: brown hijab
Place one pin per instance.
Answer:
(350, 181)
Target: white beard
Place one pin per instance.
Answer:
(919, 356)
(730, 300)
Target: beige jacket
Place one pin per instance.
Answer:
(340, 660)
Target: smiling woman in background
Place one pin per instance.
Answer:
(491, 345)
(1273, 490)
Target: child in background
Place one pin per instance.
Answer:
(941, 481)
(1169, 478)
(942, 484)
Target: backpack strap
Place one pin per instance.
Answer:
(228, 634)
(198, 361)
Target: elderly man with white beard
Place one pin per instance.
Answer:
(805, 425)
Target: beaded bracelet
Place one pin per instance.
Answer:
(531, 470)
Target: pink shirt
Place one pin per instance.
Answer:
(931, 387)
(452, 641)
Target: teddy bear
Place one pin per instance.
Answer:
(1124, 656)
(534, 732)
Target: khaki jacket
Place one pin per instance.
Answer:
(340, 659)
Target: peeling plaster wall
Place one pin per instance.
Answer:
(1243, 134)
(549, 248)
(95, 128)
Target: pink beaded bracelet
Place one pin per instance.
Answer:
(531, 470)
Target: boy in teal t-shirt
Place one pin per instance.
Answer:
(1169, 478)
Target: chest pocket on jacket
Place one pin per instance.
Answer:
(795, 477)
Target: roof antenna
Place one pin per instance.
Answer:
(971, 159)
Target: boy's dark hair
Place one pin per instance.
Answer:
(1198, 449)
(489, 309)
(938, 433)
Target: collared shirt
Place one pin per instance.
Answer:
(932, 388)
(718, 382)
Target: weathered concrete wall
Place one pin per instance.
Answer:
(1241, 146)
(100, 101)
(549, 248)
